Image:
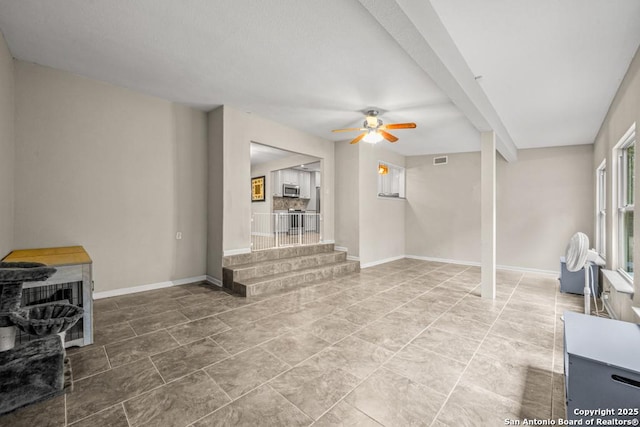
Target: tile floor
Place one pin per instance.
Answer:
(404, 343)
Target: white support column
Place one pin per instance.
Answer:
(488, 213)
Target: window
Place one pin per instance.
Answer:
(390, 180)
(626, 184)
(601, 209)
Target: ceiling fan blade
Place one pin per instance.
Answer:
(358, 138)
(347, 130)
(399, 126)
(388, 136)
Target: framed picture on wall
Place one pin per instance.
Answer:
(257, 189)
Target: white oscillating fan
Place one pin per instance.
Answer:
(578, 255)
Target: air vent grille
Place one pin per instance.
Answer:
(442, 160)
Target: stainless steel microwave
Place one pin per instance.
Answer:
(289, 190)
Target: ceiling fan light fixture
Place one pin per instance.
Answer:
(373, 137)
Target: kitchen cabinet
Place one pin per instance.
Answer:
(291, 177)
(305, 185)
(276, 183)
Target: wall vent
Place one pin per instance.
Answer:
(442, 160)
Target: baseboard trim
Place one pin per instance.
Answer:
(382, 261)
(477, 264)
(149, 287)
(327, 242)
(445, 260)
(241, 251)
(214, 281)
(341, 248)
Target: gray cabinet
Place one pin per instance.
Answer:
(602, 368)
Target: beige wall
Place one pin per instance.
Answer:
(240, 129)
(542, 199)
(347, 198)
(443, 207)
(113, 170)
(370, 227)
(7, 146)
(624, 111)
(382, 221)
(215, 191)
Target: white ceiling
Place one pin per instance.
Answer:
(550, 68)
(315, 66)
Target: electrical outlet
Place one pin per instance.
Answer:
(179, 235)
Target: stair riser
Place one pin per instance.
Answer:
(328, 272)
(290, 264)
(273, 254)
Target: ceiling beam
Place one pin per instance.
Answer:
(417, 28)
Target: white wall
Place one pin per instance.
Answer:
(240, 129)
(624, 111)
(113, 170)
(7, 148)
(542, 199)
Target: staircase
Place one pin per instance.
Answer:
(275, 270)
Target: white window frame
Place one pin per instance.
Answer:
(601, 209)
(401, 184)
(623, 203)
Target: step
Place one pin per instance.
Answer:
(282, 265)
(276, 253)
(287, 281)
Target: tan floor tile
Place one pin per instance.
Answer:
(516, 352)
(49, 413)
(516, 382)
(243, 337)
(314, 387)
(93, 394)
(354, 355)
(152, 323)
(332, 328)
(345, 415)
(525, 332)
(296, 346)
(427, 368)
(88, 362)
(394, 400)
(178, 403)
(110, 334)
(263, 406)
(112, 417)
(470, 406)
(197, 329)
(139, 347)
(462, 326)
(392, 332)
(188, 358)
(245, 371)
(195, 312)
(447, 344)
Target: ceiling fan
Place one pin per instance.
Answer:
(374, 130)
